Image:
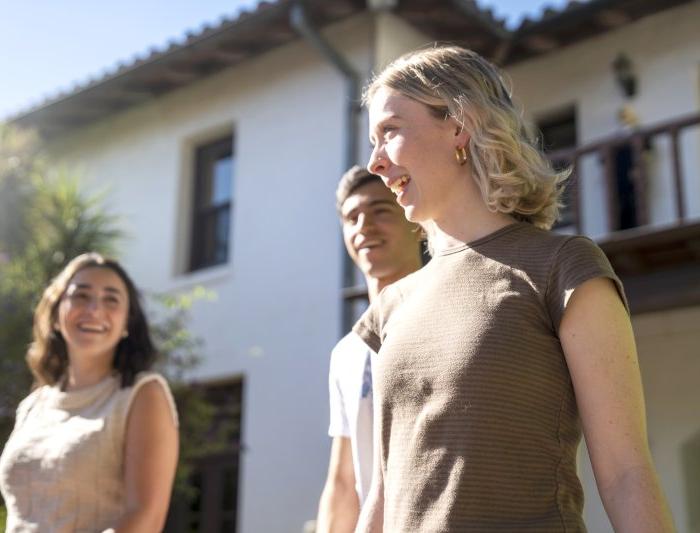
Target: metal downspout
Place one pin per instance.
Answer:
(300, 22)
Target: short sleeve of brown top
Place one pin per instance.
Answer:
(476, 415)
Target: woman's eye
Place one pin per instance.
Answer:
(80, 296)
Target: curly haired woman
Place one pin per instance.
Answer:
(95, 445)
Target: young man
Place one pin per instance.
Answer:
(385, 247)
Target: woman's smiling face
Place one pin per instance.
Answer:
(414, 153)
(93, 313)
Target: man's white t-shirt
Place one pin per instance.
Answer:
(350, 388)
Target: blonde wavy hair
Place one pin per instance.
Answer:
(513, 175)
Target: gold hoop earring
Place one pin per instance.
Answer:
(461, 155)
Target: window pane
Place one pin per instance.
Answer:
(195, 514)
(221, 180)
(214, 237)
(229, 489)
(207, 241)
(222, 230)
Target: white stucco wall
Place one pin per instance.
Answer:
(277, 314)
(395, 37)
(278, 309)
(665, 52)
(670, 364)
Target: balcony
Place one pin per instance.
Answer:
(638, 195)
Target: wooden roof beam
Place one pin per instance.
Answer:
(613, 18)
(540, 43)
(177, 75)
(230, 56)
(128, 96)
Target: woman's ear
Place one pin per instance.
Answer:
(461, 136)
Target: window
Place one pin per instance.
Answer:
(211, 419)
(213, 204)
(559, 134)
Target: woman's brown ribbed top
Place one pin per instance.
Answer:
(476, 414)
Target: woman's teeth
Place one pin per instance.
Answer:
(399, 184)
(91, 328)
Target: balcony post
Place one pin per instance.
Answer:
(576, 192)
(609, 174)
(677, 173)
(640, 179)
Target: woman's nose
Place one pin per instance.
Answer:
(377, 164)
(93, 303)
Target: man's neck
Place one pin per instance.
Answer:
(375, 285)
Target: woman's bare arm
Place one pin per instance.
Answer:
(598, 342)
(150, 459)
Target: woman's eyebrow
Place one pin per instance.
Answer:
(388, 116)
(78, 286)
(380, 123)
(114, 290)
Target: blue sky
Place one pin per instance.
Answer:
(50, 45)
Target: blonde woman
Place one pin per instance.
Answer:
(95, 445)
(513, 340)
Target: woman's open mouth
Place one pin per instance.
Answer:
(399, 185)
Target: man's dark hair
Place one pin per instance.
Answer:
(352, 180)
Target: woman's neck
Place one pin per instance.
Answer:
(463, 217)
(83, 373)
(464, 222)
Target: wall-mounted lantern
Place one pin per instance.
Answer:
(624, 75)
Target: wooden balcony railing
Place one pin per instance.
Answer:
(639, 141)
(634, 253)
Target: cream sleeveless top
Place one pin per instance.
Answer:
(62, 467)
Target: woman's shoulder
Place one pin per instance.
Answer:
(405, 285)
(147, 376)
(151, 383)
(31, 401)
(550, 245)
(32, 398)
(544, 237)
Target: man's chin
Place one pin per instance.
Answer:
(376, 270)
(370, 260)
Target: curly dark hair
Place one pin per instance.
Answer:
(47, 356)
